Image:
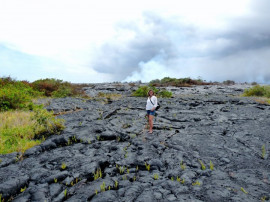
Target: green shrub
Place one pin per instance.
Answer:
(165, 93)
(260, 91)
(254, 83)
(6, 80)
(12, 98)
(153, 82)
(229, 82)
(16, 97)
(48, 86)
(45, 123)
(58, 88)
(143, 90)
(182, 82)
(13, 89)
(168, 80)
(16, 94)
(63, 91)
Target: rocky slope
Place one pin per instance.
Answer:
(109, 155)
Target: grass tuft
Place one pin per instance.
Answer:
(155, 176)
(122, 169)
(196, 183)
(182, 165)
(63, 166)
(124, 177)
(211, 166)
(97, 174)
(183, 181)
(243, 190)
(147, 166)
(116, 184)
(110, 96)
(65, 193)
(23, 189)
(103, 187)
(202, 165)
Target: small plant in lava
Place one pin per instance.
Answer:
(122, 169)
(243, 190)
(155, 176)
(202, 165)
(23, 189)
(211, 166)
(116, 184)
(196, 183)
(147, 166)
(103, 187)
(65, 193)
(63, 166)
(182, 165)
(97, 174)
(183, 181)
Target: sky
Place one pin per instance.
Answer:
(87, 41)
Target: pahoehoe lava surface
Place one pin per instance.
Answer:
(106, 150)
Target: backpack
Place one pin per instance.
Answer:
(158, 106)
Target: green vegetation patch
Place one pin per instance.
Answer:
(143, 90)
(112, 96)
(21, 130)
(165, 93)
(181, 82)
(16, 94)
(228, 82)
(258, 91)
(19, 94)
(58, 88)
(24, 124)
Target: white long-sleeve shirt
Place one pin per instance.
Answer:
(149, 105)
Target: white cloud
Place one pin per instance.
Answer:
(75, 34)
(52, 28)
